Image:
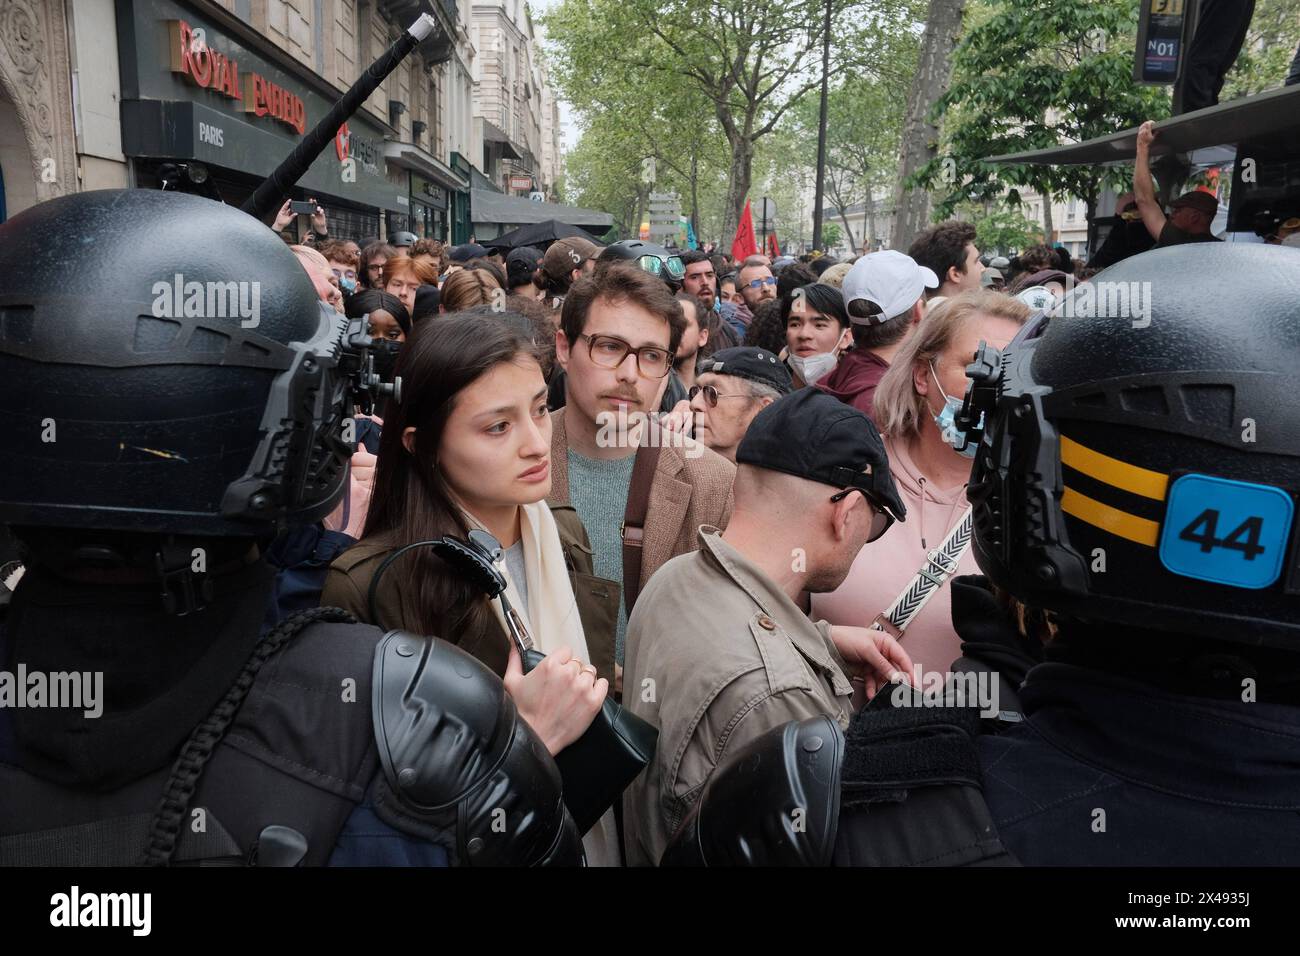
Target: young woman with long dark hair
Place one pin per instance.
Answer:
(469, 446)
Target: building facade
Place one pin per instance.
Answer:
(117, 93)
(516, 121)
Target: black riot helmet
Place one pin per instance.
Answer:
(165, 367)
(1139, 460)
(654, 259)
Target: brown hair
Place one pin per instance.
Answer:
(428, 250)
(616, 285)
(338, 251)
(411, 499)
(400, 264)
(943, 247)
(897, 407)
(466, 288)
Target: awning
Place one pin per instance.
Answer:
(494, 134)
(1207, 136)
(492, 208)
(412, 157)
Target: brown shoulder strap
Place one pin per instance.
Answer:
(633, 529)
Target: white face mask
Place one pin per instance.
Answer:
(812, 368)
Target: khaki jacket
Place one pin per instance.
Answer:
(686, 493)
(347, 585)
(717, 654)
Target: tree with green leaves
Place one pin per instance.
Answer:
(1000, 229)
(750, 60)
(864, 123)
(1032, 74)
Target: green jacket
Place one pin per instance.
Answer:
(347, 585)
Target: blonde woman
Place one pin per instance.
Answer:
(914, 407)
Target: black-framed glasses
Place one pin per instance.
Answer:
(711, 394)
(609, 351)
(759, 283)
(881, 519)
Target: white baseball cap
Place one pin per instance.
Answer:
(891, 280)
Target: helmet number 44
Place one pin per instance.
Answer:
(1225, 531)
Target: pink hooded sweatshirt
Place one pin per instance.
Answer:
(885, 567)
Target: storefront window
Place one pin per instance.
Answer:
(349, 223)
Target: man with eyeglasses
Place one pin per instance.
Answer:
(718, 650)
(343, 262)
(756, 285)
(619, 330)
(732, 387)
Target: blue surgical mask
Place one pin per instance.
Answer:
(348, 285)
(947, 422)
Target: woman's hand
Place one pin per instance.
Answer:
(872, 655)
(558, 698)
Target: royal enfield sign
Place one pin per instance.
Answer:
(203, 66)
(196, 86)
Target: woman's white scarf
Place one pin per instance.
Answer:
(552, 620)
(552, 611)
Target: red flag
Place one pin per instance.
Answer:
(773, 250)
(744, 245)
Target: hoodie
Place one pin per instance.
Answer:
(853, 381)
(885, 567)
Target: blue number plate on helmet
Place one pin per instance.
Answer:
(1228, 532)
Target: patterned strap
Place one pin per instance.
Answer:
(939, 566)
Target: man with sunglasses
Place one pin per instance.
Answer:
(619, 330)
(718, 651)
(732, 387)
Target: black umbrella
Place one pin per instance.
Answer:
(540, 234)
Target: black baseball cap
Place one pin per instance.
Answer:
(466, 252)
(521, 264)
(745, 361)
(812, 435)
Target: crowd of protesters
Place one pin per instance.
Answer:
(585, 403)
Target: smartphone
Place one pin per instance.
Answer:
(302, 207)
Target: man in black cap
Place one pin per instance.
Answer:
(732, 386)
(521, 271)
(1190, 215)
(718, 650)
(459, 255)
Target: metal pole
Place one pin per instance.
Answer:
(819, 194)
(762, 215)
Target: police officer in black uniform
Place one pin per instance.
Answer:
(1137, 478)
(175, 394)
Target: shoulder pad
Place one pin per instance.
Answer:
(459, 764)
(774, 802)
(913, 791)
